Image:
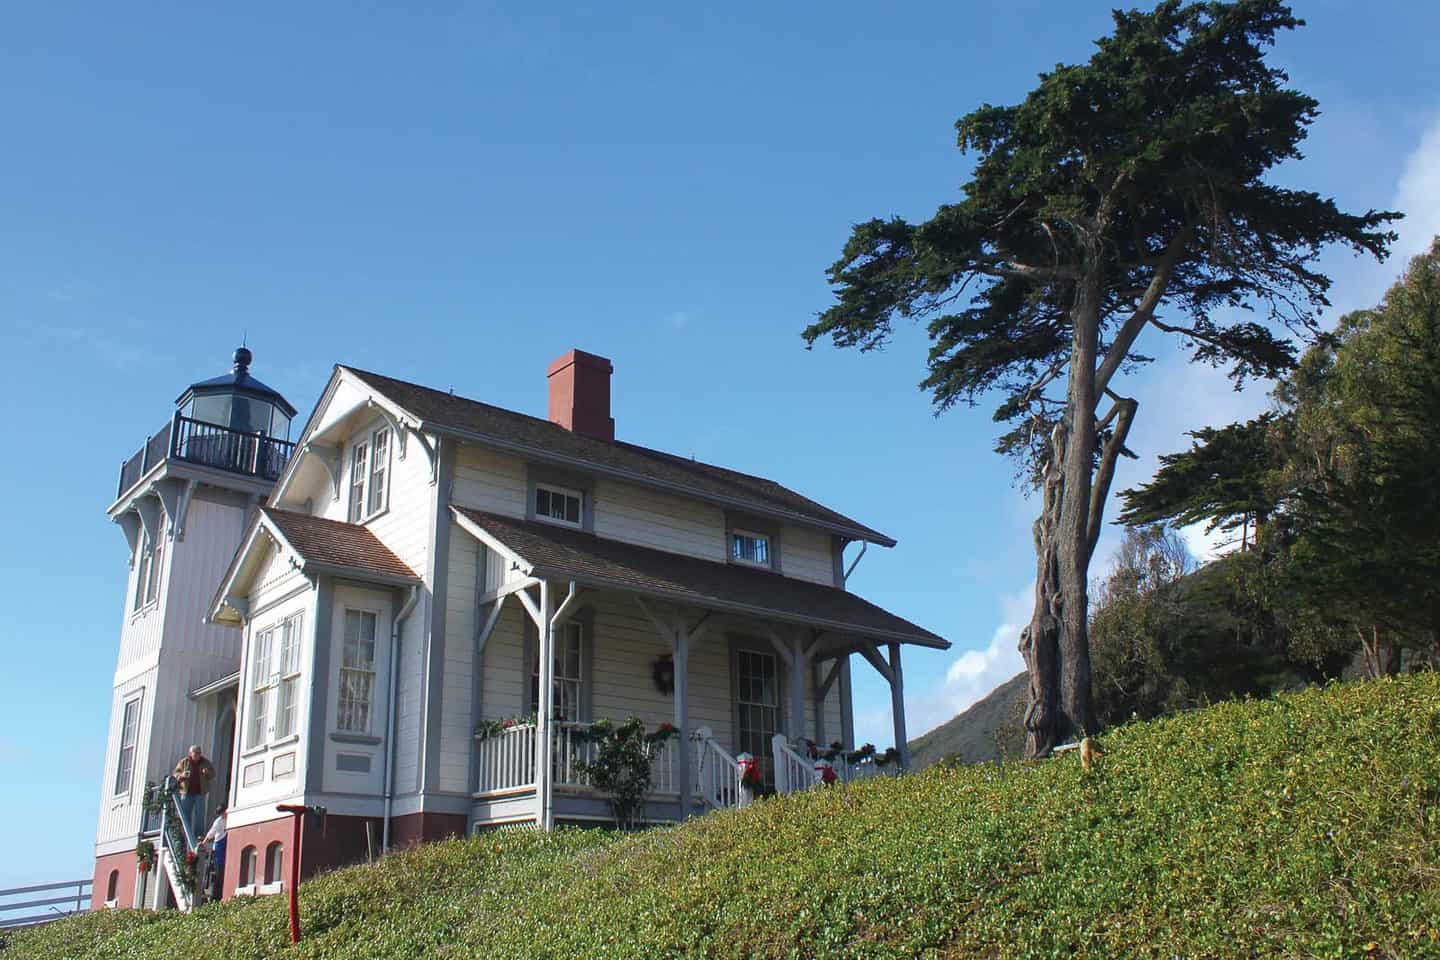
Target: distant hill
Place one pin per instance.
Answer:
(977, 735)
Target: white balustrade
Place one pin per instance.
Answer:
(717, 776)
(506, 760)
(793, 771)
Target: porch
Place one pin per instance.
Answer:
(571, 627)
(505, 788)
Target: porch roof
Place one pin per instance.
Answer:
(552, 551)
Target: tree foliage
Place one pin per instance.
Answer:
(1346, 465)
(1121, 190)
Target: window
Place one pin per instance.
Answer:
(359, 457)
(751, 548)
(357, 672)
(379, 468)
(274, 682)
(247, 867)
(259, 687)
(757, 707)
(569, 678)
(129, 736)
(557, 505)
(112, 888)
(369, 475)
(149, 561)
(274, 854)
(289, 677)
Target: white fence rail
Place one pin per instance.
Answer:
(75, 899)
(506, 760)
(717, 777)
(793, 772)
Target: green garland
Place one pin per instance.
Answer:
(579, 732)
(866, 752)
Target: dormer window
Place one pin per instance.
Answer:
(369, 475)
(749, 547)
(557, 505)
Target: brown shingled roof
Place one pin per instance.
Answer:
(586, 558)
(337, 544)
(701, 479)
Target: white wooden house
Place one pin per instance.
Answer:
(428, 566)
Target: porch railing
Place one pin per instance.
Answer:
(717, 776)
(793, 771)
(506, 760)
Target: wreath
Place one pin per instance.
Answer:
(144, 856)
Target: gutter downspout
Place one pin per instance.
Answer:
(390, 696)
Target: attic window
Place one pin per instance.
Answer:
(749, 547)
(557, 505)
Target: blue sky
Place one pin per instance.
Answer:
(459, 193)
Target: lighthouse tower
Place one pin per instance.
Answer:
(182, 504)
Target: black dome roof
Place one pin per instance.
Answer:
(237, 381)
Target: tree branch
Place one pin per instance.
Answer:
(1124, 411)
(1125, 339)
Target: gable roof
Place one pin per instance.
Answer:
(550, 550)
(317, 545)
(336, 544)
(541, 439)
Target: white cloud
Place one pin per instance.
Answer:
(1418, 195)
(973, 673)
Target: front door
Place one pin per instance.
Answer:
(757, 708)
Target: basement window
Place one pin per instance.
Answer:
(557, 505)
(749, 547)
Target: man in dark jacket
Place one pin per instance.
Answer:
(193, 773)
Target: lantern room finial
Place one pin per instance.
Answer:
(243, 356)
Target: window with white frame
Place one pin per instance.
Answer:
(369, 475)
(129, 737)
(274, 682)
(288, 674)
(357, 672)
(569, 674)
(149, 561)
(557, 505)
(747, 546)
(260, 686)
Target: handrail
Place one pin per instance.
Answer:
(78, 899)
(170, 860)
(793, 772)
(717, 775)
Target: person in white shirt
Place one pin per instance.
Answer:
(215, 842)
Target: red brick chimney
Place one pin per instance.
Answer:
(580, 394)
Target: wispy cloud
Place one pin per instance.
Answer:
(974, 673)
(115, 354)
(679, 320)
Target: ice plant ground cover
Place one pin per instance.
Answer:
(1304, 826)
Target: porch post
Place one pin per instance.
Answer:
(543, 710)
(819, 703)
(798, 665)
(897, 706)
(680, 649)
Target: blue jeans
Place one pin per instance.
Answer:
(192, 809)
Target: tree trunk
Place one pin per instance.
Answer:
(1040, 640)
(1056, 642)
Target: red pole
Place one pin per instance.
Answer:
(297, 813)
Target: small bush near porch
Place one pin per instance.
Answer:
(1303, 826)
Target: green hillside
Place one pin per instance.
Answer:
(988, 730)
(1305, 825)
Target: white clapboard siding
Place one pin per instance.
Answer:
(503, 674)
(653, 519)
(456, 727)
(489, 480)
(806, 555)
